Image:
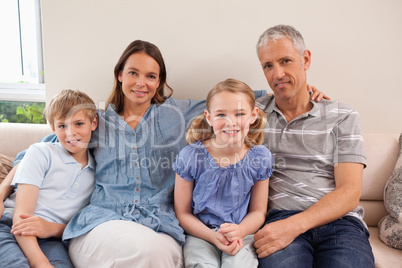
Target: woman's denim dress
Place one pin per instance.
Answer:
(134, 175)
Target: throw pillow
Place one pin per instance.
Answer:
(390, 227)
(6, 164)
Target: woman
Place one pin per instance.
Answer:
(131, 210)
(130, 221)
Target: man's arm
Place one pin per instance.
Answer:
(278, 235)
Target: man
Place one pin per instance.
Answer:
(314, 219)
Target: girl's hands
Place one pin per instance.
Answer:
(231, 231)
(228, 238)
(223, 244)
(31, 225)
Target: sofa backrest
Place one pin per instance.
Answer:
(381, 153)
(15, 137)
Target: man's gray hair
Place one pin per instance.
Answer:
(282, 31)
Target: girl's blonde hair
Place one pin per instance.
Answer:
(200, 130)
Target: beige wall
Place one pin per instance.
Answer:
(356, 46)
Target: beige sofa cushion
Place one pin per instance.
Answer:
(385, 257)
(390, 227)
(6, 163)
(20, 136)
(381, 153)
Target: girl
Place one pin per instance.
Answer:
(221, 189)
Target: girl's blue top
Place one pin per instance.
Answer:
(222, 194)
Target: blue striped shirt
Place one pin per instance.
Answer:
(306, 149)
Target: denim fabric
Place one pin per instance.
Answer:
(64, 186)
(342, 243)
(11, 256)
(134, 175)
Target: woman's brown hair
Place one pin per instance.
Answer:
(139, 46)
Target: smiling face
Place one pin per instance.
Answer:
(284, 69)
(230, 115)
(74, 133)
(140, 79)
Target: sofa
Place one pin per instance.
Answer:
(381, 151)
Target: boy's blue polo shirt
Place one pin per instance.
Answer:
(64, 185)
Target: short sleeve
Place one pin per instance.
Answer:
(183, 166)
(350, 144)
(261, 163)
(190, 162)
(49, 138)
(33, 167)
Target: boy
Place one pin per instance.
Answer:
(54, 181)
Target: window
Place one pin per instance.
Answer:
(21, 64)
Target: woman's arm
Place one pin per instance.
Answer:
(27, 197)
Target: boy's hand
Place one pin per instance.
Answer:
(231, 231)
(223, 244)
(31, 225)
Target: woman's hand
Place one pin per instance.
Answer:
(317, 95)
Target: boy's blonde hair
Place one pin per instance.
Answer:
(67, 103)
(200, 130)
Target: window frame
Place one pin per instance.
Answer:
(34, 92)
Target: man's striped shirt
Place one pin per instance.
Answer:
(306, 149)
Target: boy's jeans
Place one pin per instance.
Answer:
(12, 256)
